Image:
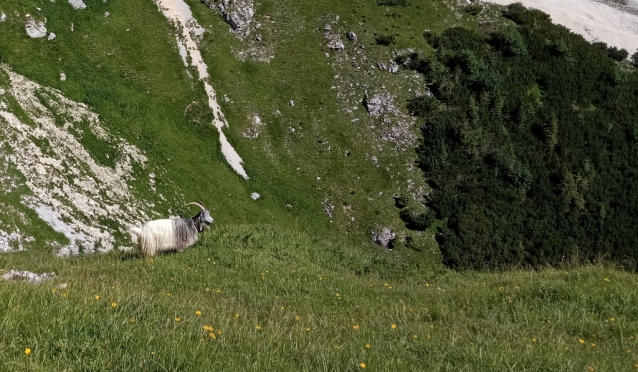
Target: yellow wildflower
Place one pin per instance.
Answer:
(593, 344)
(132, 320)
(367, 346)
(27, 351)
(212, 335)
(607, 280)
(308, 329)
(236, 315)
(208, 328)
(113, 304)
(258, 327)
(362, 365)
(178, 319)
(534, 339)
(415, 336)
(356, 327)
(590, 368)
(394, 326)
(152, 353)
(581, 341)
(219, 331)
(283, 308)
(297, 317)
(64, 295)
(97, 297)
(198, 313)
(612, 319)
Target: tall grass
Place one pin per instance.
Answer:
(277, 299)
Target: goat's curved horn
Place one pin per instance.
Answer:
(202, 204)
(197, 204)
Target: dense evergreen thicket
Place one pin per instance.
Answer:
(530, 143)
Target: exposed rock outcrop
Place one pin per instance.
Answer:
(385, 237)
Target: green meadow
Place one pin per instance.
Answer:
(275, 284)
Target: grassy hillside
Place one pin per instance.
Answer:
(277, 299)
(280, 283)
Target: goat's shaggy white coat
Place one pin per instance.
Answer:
(160, 235)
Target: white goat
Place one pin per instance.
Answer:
(171, 234)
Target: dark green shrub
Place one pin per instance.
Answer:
(510, 41)
(532, 160)
(634, 59)
(617, 54)
(417, 222)
(401, 202)
(473, 9)
(392, 2)
(385, 40)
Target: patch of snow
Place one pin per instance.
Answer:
(28, 276)
(51, 36)
(179, 12)
(594, 20)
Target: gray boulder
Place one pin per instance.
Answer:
(385, 238)
(336, 44)
(35, 29)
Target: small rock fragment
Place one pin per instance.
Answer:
(3, 17)
(384, 238)
(394, 69)
(28, 276)
(327, 27)
(381, 66)
(77, 4)
(352, 36)
(107, 13)
(291, 103)
(258, 38)
(336, 44)
(1, 91)
(51, 36)
(255, 195)
(62, 76)
(35, 29)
